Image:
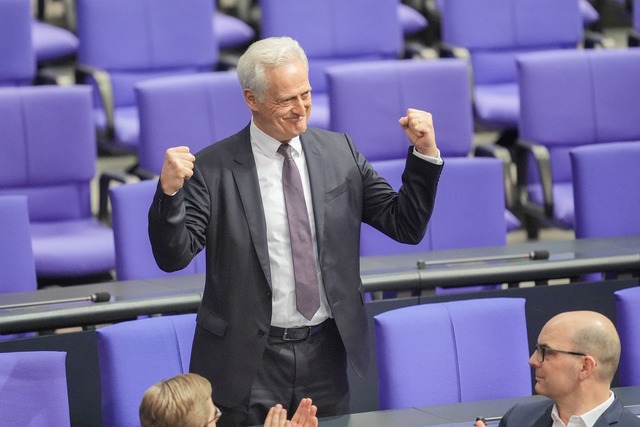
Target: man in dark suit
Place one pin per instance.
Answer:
(252, 340)
(575, 360)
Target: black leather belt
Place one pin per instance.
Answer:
(297, 334)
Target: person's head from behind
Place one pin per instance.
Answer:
(274, 75)
(184, 400)
(577, 352)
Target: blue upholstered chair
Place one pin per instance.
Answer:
(606, 178)
(18, 64)
(50, 156)
(370, 118)
(33, 389)
(195, 110)
(334, 32)
(123, 42)
(52, 44)
(569, 99)
(134, 257)
(231, 32)
(136, 354)
(492, 35)
(17, 268)
(628, 325)
(450, 352)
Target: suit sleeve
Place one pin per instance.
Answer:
(175, 237)
(404, 215)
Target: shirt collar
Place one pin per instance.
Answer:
(269, 145)
(588, 418)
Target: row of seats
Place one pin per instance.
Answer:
(199, 109)
(428, 354)
(177, 37)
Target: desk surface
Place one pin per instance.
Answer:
(457, 414)
(181, 294)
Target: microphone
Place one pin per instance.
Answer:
(97, 297)
(533, 256)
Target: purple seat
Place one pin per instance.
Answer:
(569, 99)
(460, 351)
(50, 156)
(134, 258)
(605, 180)
(136, 354)
(52, 43)
(628, 325)
(18, 64)
(231, 32)
(411, 20)
(123, 42)
(17, 268)
(33, 389)
(370, 118)
(195, 110)
(334, 32)
(493, 34)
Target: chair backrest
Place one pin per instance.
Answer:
(139, 39)
(195, 110)
(136, 354)
(450, 352)
(17, 267)
(134, 257)
(494, 33)
(335, 31)
(628, 325)
(468, 212)
(366, 101)
(18, 65)
(49, 145)
(605, 187)
(33, 389)
(580, 97)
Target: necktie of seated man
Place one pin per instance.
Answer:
(304, 263)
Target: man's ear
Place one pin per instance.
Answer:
(250, 99)
(588, 367)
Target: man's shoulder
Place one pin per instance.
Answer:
(529, 410)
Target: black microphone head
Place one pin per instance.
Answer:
(101, 297)
(542, 254)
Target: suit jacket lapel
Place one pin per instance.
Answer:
(315, 166)
(247, 185)
(611, 415)
(545, 420)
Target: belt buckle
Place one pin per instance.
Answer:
(286, 338)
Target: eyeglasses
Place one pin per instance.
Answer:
(542, 350)
(216, 417)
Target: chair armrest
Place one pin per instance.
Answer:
(596, 40)
(502, 153)
(446, 50)
(540, 155)
(105, 180)
(102, 79)
(633, 39)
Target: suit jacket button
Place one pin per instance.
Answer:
(261, 332)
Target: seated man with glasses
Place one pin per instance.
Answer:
(185, 401)
(575, 360)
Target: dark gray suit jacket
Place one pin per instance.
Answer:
(538, 414)
(220, 207)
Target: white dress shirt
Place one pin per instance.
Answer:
(269, 168)
(588, 419)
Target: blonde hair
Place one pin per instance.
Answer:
(179, 401)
